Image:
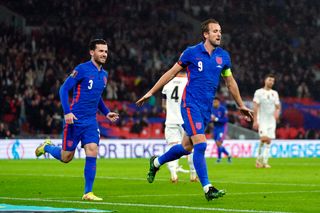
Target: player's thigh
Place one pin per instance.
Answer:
(71, 137)
(218, 134)
(173, 134)
(90, 139)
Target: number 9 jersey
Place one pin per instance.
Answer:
(204, 71)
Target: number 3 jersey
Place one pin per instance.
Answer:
(173, 91)
(88, 84)
(204, 73)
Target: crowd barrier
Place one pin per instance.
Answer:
(24, 148)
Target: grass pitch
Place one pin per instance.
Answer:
(291, 185)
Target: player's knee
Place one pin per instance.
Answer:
(91, 150)
(219, 143)
(92, 153)
(66, 157)
(188, 147)
(66, 160)
(200, 147)
(265, 140)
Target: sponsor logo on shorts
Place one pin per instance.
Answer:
(69, 143)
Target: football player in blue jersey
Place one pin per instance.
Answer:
(88, 80)
(219, 119)
(204, 63)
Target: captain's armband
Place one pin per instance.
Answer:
(226, 73)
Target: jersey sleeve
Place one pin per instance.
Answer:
(256, 97)
(185, 58)
(226, 71)
(103, 108)
(76, 75)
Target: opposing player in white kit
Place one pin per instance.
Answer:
(266, 111)
(172, 94)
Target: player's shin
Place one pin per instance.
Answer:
(174, 153)
(55, 151)
(172, 166)
(260, 148)
(200, 164)
(193, 173)
(219, 148)
(266, 154)
(224, 151)
(89, 173)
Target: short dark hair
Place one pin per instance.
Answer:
(205, 25)
(93, 43)
(269, 75)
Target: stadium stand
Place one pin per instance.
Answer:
(143, 41)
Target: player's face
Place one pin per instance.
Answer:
(216, 103)
(214, 34)
(269, 82)
(100, 54)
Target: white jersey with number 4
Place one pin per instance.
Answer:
(267, 101)
(173, 91)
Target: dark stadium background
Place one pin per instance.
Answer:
(42, 41)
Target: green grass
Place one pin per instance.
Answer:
(291, 185)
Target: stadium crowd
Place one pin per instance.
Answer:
(143, 38)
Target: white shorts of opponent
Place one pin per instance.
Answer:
(173, 133)
(267, 131)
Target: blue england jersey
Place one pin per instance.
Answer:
(204, 73)
(221, 115)
(88, 84)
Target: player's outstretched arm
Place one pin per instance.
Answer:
(234, 90)
(165, 78)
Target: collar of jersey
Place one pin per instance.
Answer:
(95, 66)
(204, 49)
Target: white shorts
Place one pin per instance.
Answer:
(173, 133)
(267, 131)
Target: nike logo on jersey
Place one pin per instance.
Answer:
(219, 66)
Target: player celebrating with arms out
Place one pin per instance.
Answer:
(204, 62)
(88, 81)
(266, 111)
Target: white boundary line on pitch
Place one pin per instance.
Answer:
(192, 195)
(229, 194)
(144, 179)
(142, 205)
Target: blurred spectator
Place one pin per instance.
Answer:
(4, 132)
